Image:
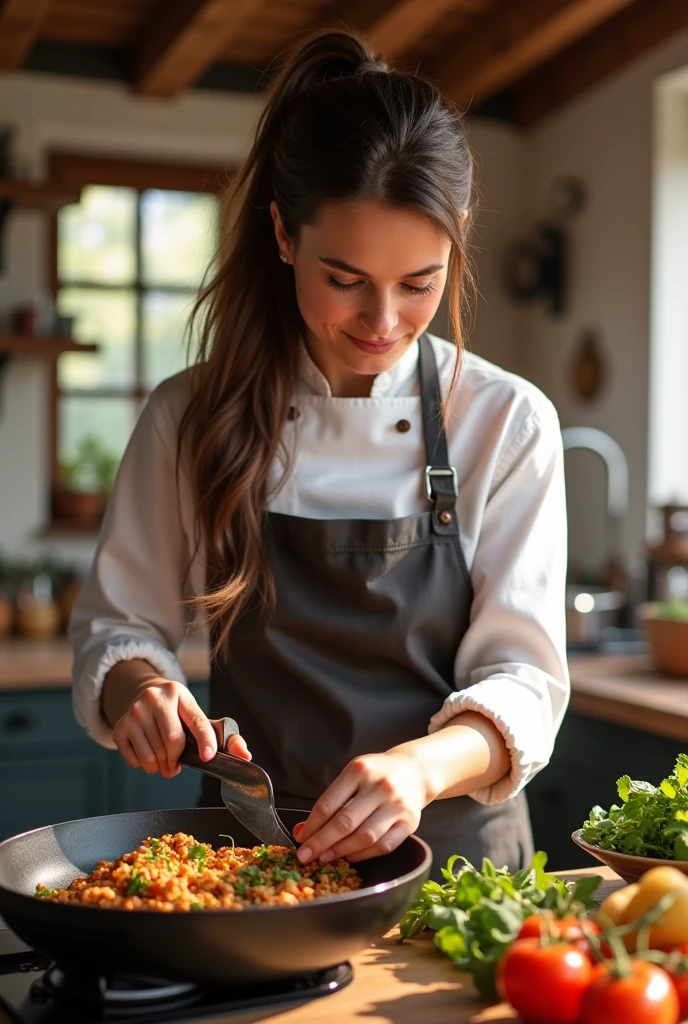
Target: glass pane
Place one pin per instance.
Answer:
(96, 238)
(178, 237)
(107, 318)
(165, 318)
(110, 421)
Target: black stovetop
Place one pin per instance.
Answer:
(34, 991)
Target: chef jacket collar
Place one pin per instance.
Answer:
(384, 384)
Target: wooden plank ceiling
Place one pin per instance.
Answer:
(520, 59)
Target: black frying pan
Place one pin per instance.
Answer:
(208, 947)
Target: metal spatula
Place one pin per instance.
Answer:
(246, 789)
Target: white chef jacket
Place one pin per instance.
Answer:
(351, 462)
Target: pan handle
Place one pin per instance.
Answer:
(224, 766)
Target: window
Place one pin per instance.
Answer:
(128, 262)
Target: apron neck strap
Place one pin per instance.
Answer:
(440, 477)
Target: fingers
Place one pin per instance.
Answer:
(344, 825)
(388, 842)
(333, 799)
(237, 745)
(142, 748)
(200, 726)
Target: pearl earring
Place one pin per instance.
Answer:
(283, 257)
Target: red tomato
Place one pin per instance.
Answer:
(681, 985)
(645, 996)
(544, 983)
(544, 924)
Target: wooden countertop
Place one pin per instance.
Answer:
(627, 690)
(46, 664)
(398, 983)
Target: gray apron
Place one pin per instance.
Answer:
(359, 652)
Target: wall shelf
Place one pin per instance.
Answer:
(31, 195)
(37, 345)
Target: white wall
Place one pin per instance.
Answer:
(668, 454)
(605, 137)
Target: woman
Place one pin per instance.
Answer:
(372, 522)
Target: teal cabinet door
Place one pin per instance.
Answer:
(49, 770)
(60, 785)
(131, 789)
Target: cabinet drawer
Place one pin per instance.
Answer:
(37, 716)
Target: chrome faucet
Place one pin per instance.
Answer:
(616, 465)
(614, 459)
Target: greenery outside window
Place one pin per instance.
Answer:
(129, 258)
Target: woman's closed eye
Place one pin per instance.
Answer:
(341, 287)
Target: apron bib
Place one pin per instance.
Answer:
(359, 652)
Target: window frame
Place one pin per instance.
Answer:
(77, 170)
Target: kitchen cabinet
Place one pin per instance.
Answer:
(590, 755)
(51, 771)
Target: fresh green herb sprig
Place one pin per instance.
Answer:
(199, 853)
(43, 892)
(651, 821)
(138, 885)
(477, 913)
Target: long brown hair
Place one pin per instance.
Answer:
(337, 125)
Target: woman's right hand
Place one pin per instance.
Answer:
(150, 733)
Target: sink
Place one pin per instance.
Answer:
(614, 640)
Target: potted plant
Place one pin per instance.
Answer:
(666, 627)
(85, 482)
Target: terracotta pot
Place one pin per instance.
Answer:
(668, 640)
(83, 507)
(38, 619)
(6, 615)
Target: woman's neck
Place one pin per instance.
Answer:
(344, 383)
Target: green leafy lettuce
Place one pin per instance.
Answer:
(476, 914)
(651, 821)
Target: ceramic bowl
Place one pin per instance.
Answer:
(668, 640)
(629, 866)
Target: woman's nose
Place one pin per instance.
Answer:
(380, 318)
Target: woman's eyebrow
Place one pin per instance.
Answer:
(341, 265)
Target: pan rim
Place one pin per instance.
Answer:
(346, 897)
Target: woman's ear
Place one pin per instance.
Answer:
(283, 242)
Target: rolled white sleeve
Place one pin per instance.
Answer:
(511, 665)
(134, 603)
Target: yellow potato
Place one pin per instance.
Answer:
(672, 929)
(614, 907)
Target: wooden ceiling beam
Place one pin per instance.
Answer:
(512, 39)
(186, 40)
(623, 39)
(406, 23)
(20, 24)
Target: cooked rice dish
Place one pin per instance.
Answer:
(175, 872)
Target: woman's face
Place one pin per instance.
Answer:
(369, 279)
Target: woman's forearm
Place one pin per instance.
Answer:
(123, 684)
(466, 755)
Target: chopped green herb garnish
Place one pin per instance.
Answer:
(280, 875)
(137, 883)
(198, 852)
(240, 890)
(262, 854)
(195, 905)
(223, 835)
(251, 874)
(44, 891)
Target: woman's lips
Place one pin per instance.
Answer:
(373, 348)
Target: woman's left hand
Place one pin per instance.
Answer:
(369, 809)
